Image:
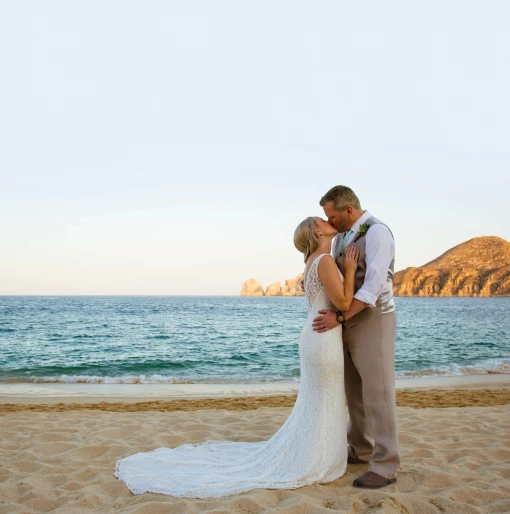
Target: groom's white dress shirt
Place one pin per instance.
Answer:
(380, 250)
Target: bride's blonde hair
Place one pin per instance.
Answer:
(306, 239)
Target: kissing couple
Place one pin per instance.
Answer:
(346, 352)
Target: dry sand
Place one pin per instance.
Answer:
(60, 458)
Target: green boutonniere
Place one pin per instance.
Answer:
(363, 229)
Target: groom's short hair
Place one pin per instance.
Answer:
(342, 197)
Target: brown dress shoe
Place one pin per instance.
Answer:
(355, 460)
(372, 480)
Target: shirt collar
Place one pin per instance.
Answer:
(364, 217)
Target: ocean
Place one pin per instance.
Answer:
(172, 339)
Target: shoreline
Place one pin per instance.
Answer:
(410, 398)
(53, 393)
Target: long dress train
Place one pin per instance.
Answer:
(310, 447)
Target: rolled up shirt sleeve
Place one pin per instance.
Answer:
(380, 250)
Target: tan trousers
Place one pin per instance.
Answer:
(369, 360)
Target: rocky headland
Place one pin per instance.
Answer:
(478, 267)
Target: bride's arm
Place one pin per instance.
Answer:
(340, 293)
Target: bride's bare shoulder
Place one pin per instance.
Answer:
(327, 266)
(327, 261)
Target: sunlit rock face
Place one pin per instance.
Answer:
(252, 287)
(291, 287)
(274, 289)
(478, 267)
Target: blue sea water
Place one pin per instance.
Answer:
(142, 339)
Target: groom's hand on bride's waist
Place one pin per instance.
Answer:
(325, 321)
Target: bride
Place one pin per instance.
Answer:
(311, 446)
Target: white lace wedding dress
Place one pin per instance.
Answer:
(310, 447)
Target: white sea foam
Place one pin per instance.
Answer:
(143, 379)
(490, 366)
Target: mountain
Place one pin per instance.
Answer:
(478, 267)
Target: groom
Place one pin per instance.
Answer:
(369, 333)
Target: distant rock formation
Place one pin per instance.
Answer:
(252, 288)
(478, 267)
(291, 288)
(274, 289)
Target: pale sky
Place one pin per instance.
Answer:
(171, 148)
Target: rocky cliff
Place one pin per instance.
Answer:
(291, 288)
(252, 288)
(478, 267)
(274, 290)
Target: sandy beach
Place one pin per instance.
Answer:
(60, 456)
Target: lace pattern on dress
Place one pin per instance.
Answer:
(310, 446)
(313, 283)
